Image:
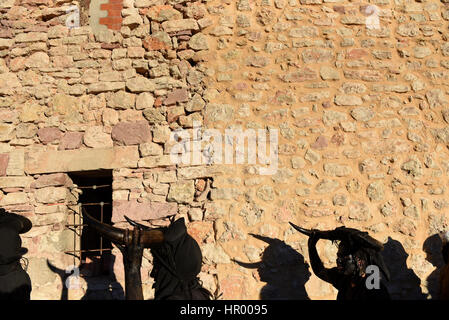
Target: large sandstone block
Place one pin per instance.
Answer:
(14, 198)
(142, 211)
(81, 159)
(131, 133)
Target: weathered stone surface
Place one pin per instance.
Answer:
(326, 186)
(198, 42)
(179, 25)
(52, 180)
(214, 254)
(8, 83)
(131, 133)
(337, 170)
(48, 135)
(95, 137)
(51, 194)
(142, 210)
(329, 73)
(144, 100)
(105, 87)
(121, 100)
(14, 198)
(219, 112)
(362, 114)
(140, 84)
(347, 100)
(320, 143)
(265, 193)
(38, 60)
(155, 161)
(304, 74)
(71, 140)
(331, 117)
(6, 131)
(181, 192)
(376, 191)
(16, 182)
(16, 163)
(359, 211)
(150, 149)
(81, 160)
(177, 95)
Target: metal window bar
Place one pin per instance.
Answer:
(78, 227)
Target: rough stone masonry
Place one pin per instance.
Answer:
(362, 115)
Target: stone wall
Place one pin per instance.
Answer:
(361, 113)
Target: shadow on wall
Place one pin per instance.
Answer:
(283, 269)
(404, 283)
(433, 247)
(98, 288)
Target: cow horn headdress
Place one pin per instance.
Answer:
(146, 237)
(354, 239)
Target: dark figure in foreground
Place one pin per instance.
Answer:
(131, 243)
(176, 264)
(177, 258)
(15, 284)
(282, 268)
(356, 251)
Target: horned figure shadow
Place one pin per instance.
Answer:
(404, 283)
(98, 288)
(283, 269)
(433, 248)
(177, 262)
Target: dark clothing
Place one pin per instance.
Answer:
(176, 264)
(349, 288)
(358, 291)
(15, 284)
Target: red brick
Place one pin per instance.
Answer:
(114, 13)
(108, 6)
(111, 20)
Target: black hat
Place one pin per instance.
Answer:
(11, 225)
(14, 221)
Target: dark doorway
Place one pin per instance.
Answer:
(96, 200)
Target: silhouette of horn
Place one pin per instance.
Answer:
(302, 230)
(114, 234)
(136, 224)
(248, 265)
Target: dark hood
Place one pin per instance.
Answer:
(176, 262)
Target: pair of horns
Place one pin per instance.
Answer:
(141, 234)
(353, 236)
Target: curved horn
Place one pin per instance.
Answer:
(136, 224)
(328, 234)
(302, 230)
(149, 238)
(248, 265)
(112, 233)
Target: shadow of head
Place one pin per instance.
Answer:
(282, 268)
(433, 247)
